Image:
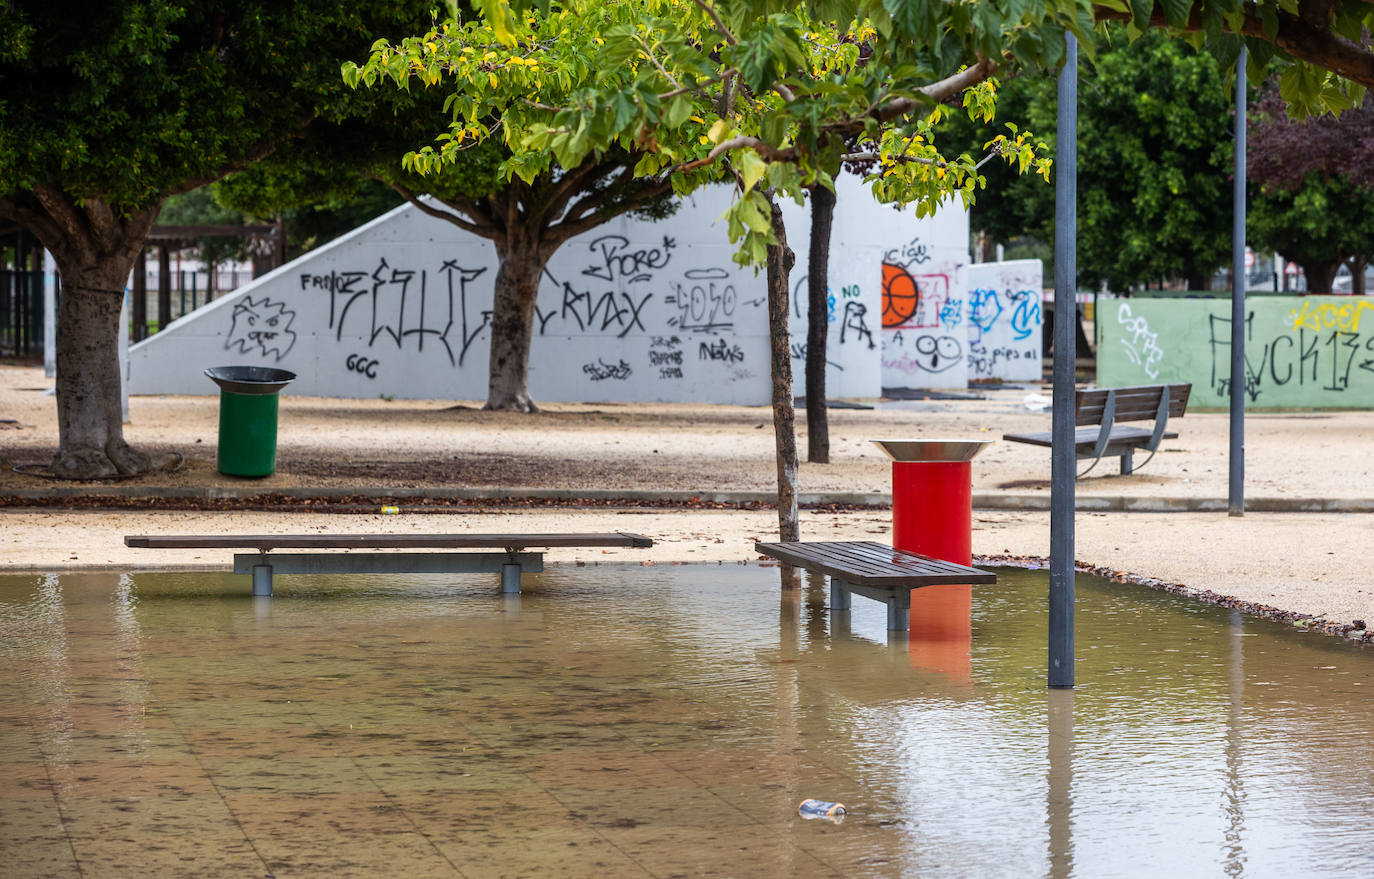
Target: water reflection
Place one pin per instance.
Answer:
(1233, 798)
(631, 721)
(1059, 783)
(941, 636)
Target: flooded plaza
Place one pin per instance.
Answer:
(627, 720)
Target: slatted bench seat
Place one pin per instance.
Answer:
(873, 570)
(511, 562)
(1104, 409)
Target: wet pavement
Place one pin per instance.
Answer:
(663, 721)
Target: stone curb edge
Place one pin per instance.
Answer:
(52, 497)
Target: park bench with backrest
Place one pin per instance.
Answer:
(511, 562)
(874, 571)
(1103, 409)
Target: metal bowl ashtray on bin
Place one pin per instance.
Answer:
(932, 496)
(248, 418)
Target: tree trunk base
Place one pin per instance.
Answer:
(120, 459)
(511, 403)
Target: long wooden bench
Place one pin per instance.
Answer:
(874, 571)
(1103, 410)
(510, 563)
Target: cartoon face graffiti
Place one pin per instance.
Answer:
(261, 327)
(938, 353)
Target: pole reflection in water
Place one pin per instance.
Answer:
(1059, 788)
(1233, 801)
(131, 684)
(941, 635)
(787, 693)
(53, 681)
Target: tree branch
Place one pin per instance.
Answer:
(1306, 36)
(68, 218)
(937, 92)
(35, 219)
(711, 11)
(571, 183)
(763, 148)
(485, 230)
(570, 228)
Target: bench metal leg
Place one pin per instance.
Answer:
(1126, 462)
(899, 611)
(262, 580)
(510, 578)
(840, 596)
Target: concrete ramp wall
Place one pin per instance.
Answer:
(632, 311)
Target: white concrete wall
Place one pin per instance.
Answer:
(1004, 320)
(633, 311)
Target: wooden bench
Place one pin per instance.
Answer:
(510, 563)
(1103, 409)
(873, 570)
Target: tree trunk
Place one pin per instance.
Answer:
(1320, 275)
(818, 325)
(1199, 281)
(1357, 267)
(95, 250)
(780, 261)
(512, 323)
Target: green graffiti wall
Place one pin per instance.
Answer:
(1306, 351)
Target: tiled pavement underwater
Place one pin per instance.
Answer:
(628, 721)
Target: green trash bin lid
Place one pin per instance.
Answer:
(257, 380)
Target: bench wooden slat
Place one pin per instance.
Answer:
(880, 558)
(865, 563)
(854, 555)
(1087, 436)
(1140, 403)
(265, 542)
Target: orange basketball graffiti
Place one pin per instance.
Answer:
(900, 295)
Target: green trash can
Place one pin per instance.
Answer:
(248, 418)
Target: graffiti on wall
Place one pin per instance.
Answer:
(403, 306)
(1140, 344)
(1309, 352)
(923, 320)
(1003, 318)
(846, 317)
(261, 327)
(1327, 360)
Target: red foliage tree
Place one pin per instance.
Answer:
(1314, 180)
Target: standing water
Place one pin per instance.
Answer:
(662, 721)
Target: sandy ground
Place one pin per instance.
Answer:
(1306, 563)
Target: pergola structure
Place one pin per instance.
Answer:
(266, 241)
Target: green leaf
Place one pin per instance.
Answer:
(751, 167)
(1176, 12)
(501, 19)
(678, 111)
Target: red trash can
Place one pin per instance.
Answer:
(932, 496)
(932, 514)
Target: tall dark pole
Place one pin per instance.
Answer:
(164, 287)
(1237, 500)
(1062, 461)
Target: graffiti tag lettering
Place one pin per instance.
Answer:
(601, 370)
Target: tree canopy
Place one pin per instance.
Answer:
(684, 86)
(1312, 189)
(1154, 165)
(107, 112)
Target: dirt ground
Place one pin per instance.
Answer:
(1293, 563)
